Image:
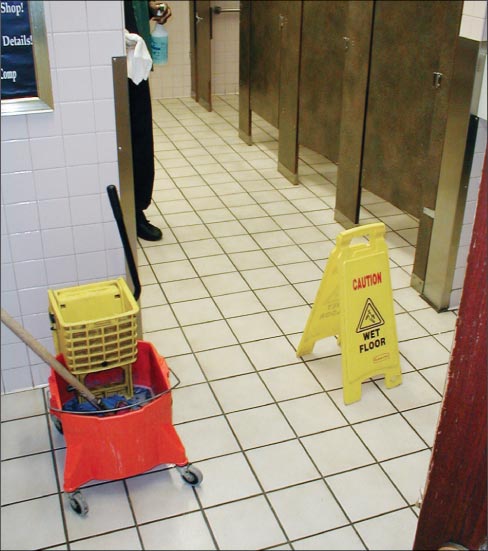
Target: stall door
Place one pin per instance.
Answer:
(321, 75)
(400, 161)
(265, 58)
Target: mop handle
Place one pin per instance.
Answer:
(119, 218)
(44, 354)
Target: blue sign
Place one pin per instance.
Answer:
(18, 75)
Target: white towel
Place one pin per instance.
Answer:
(139, 61)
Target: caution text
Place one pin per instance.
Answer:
(366, 281)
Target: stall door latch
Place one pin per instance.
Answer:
(436, 79)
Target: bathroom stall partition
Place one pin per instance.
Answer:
(381, 88)
(323, 52)
(291, 65)
(411, 60)
(399, 129)
(378, 71)
(265, 31)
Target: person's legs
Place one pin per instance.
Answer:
(142, 156)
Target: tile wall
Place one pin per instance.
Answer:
(469, 213)
(174, 79)
(473, 22)
(57, 228)
(473, 26)
(225, 49)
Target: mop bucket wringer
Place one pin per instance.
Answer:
(95, 336)
(95, 329)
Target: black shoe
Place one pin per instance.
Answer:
(147, 231)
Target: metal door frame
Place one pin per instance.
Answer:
(456, 164)
(197, 69)
(289, 90)
(124, 161)
(245, 114)
(193, 53)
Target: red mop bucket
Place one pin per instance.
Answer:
(117, 444)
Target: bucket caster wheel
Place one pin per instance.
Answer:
(57, 423)
(190, 474)
(78, 504)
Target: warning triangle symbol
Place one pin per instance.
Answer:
(370, 318)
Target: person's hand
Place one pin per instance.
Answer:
(164, 10)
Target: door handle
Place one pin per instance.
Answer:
(198, 18)
(218, 10)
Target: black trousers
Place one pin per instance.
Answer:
(142, 143)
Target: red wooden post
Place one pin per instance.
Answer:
(454, 507)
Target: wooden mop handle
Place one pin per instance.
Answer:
(44, 354)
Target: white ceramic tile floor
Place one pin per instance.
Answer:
(337, 450)
(292, 505)
(225, 297)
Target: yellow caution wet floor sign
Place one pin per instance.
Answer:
(355, 303)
